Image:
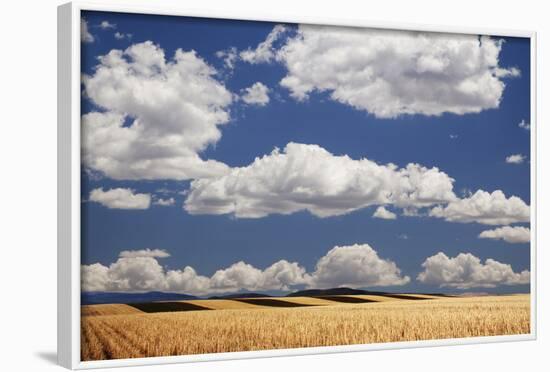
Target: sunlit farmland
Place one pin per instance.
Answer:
(212, 326)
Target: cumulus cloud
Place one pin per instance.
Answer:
(279, 276)
(127, 274)
(524, 125)
(390, 73)
(516, 234)
(85, 35)
(159, 114)
(95, 277)
(106, 25)
(141, 271)
(383, 213)
(120, 198)
(136, 273)
(485, 208)
(160, 253)
(467, 271)
(229, 56)
(187, 281)
(356, 266)
(308, 177)
(164, 202)
(122, 36)
(411, 212)
(265, 51)
(256, 94)
(515, 159)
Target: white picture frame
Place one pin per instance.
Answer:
(69, 196)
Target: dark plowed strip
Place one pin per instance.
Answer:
(269, 302)
(404, 297)
(165, 307)
(348, 300)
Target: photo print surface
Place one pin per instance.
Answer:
(258, 186)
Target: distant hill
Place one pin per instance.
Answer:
(332, 292)
(350, 291)
(92, 298)
(238, 295)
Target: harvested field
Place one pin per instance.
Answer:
(108, 309)
(213, 331)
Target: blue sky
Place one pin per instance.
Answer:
(469, 147)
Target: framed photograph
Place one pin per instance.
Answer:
(234, 186)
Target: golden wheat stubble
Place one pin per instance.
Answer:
(214, 331)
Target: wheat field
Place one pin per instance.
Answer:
(260, 328)
(108, 309)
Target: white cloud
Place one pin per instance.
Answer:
(524, 125)
(356, 266)
(382, 212)
(95, 277)
(264, 52)
(147, 252)
(485, 208)
(136, 274)
(120, 198)
(166, 190)
(411, 212)
(467, 271)
(229, 57)
(279, 276)
(140, 271)
(164, 202)
(307, 177)
(122, 36)
(453, 136)
(85, 35)
(283, 275)
(507, 72)
(391, 73)
(188, 281)
(515, 159)
(160, 114)
(105, 25)
(127, 274)
(256, 94)
(516, 234)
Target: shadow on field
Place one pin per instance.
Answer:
(164, 307)
(269, 302)
(345, 299)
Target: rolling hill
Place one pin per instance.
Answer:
(92, 298)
